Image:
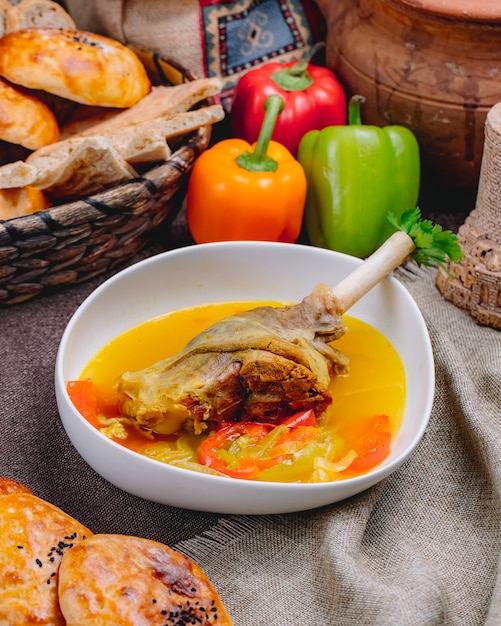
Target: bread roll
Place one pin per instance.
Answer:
(17, 202)
(25, 120)
(119, 579)
(5, 6)
(36, 13)
(35, 536)
(80, 66)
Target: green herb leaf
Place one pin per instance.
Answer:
(433, 244)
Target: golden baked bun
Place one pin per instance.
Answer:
(77, 65)
(124, 580)
(36, 13)
(25, 120)
(17, 202)
(34, 537)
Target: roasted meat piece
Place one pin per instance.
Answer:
(257, 365)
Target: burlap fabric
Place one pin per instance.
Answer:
(420, 549)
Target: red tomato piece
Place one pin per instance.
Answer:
(373, 447)
(84, 396)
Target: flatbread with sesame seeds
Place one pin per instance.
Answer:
(34, 537)
(55, 572)
(125, 581)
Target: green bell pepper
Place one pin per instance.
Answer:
(356, 174)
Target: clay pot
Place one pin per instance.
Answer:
(431, 65)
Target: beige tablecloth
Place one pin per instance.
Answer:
(420, 549)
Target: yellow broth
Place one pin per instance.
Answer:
(375, 384)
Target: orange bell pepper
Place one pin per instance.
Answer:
(239, 191)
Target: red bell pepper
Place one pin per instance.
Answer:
(313, 97)
(259, 446)
(211, 451)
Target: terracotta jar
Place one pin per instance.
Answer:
(431, 65)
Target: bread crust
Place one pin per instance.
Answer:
(25, 120)
(77, 65)
(125, 580)
(9, 485)
(35, 536)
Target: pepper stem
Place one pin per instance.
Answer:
(302, 65)
(297, 77)
(354, 116)
(258, 160)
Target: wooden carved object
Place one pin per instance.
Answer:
(474, 284)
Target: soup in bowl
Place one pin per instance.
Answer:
(386, 341)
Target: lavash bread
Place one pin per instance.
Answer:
(36, 13)
(77, 65)
(83, 164)
(34, 537)
(125, 580)
(162, 101)
(79, 167)
(24, 119)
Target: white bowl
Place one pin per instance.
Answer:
(224, 272)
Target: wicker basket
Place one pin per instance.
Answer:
(73, 242)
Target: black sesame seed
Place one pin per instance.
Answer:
(20, 547)
(39, 562)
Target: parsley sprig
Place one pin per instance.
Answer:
(433, 244)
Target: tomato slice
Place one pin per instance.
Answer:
(84, 396)
(88, 401)
(373, 447)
